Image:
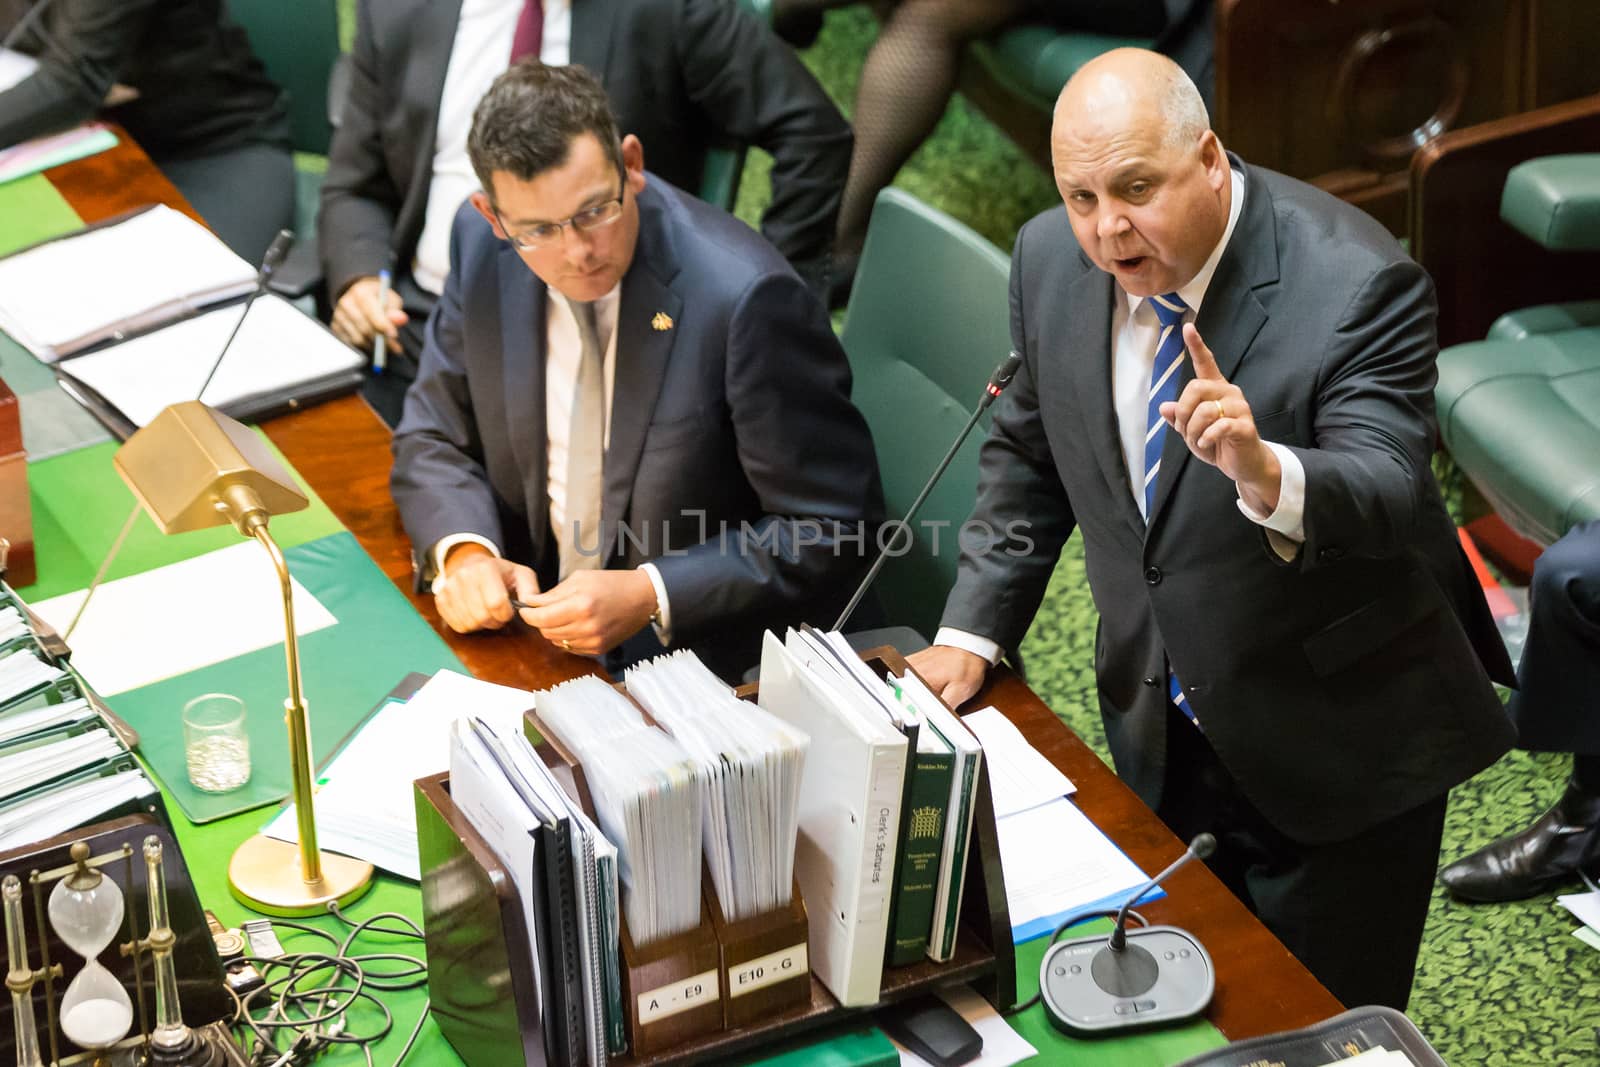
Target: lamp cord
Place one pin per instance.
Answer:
(105, 565)
(307, 994)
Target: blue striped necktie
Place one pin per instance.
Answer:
(1169, 309)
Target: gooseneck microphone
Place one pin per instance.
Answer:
(1200, 848)
(1153, 976)
(997, 383)
(269, 266)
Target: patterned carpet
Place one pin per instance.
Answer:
(1502, 986)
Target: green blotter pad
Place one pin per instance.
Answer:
(345, 670)
(34, 210)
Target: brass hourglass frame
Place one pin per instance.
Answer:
(38, 881)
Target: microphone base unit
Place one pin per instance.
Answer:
(1162, 977)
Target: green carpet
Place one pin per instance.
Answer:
(1504, 986)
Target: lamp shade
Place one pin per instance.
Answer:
(188, 464)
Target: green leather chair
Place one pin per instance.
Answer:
(1034, 60)
(1520, 410)
(298, 42)
(928, 321)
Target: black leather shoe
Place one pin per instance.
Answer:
(1547, 853)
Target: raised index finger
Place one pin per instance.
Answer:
(1205, 364)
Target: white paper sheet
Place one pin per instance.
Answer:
(1002, 1046)
(1019, 776)
(1586, 906)
(365, 808)
(277, 347)
(66, 290)
(1057, 862)
(15, 67)
(180, 617)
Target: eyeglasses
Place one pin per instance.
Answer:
(590, 218)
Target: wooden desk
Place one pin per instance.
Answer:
(342, 450)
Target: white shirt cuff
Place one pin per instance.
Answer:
(441, 548)
(1286, 526)
(662, 619)
(978, 646)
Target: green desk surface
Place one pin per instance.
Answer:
(80, 504)
(33, 212)
(345, 672)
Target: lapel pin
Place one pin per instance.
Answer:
(662, 322)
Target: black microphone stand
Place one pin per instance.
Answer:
(997, 382)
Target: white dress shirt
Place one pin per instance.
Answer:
(563, 351)
(480, 54)
(1135, 335)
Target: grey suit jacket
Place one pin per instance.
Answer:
(1339, 690)
(683, 75)
(734, 447)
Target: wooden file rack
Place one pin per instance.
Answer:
(481, 977)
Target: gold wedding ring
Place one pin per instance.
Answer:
(1221, 414)
(566, 646)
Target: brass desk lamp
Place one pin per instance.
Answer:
(193, 467)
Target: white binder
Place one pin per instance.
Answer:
(849, 819)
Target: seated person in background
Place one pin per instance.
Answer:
(1227, 389)
(1557, 709)
(682, 76)
(630, 412)
(181, 79)
(910, 73)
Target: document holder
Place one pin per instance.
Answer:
(481, 970)
(671, 989)
(762, 962)
(481, 980)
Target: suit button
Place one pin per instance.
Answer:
(1152, 576)
(1152, 681)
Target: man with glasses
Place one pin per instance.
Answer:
(630, 415)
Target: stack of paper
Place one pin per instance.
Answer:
(647, 796)
(42, 153)
(278, 346)
(750, 765)
(60, 764)
(1080, 870)
(59, 297)
(565, 871)
(22, 672)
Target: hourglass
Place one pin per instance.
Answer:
(86, 911)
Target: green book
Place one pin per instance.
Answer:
(921, 848)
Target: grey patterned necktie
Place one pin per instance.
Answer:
(585, 449)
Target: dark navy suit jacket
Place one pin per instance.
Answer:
(734, 447)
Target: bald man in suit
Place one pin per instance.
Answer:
(1227, 387)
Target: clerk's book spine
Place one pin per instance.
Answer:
(921, 847)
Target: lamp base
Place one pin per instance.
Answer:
(265, 874)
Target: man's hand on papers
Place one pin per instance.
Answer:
(954, 673)
(478, 586)
(358, 317)
(593, 611)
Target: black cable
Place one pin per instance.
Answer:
(1066, 924)
(310, 994)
